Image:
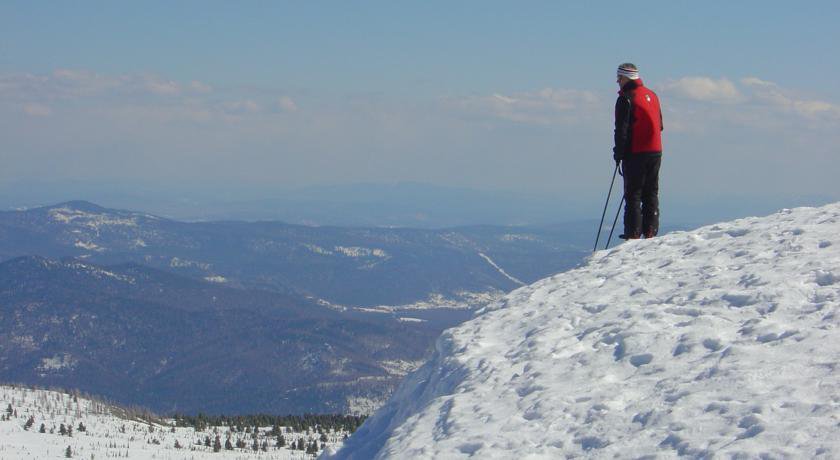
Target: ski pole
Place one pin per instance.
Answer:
(617, 212)
(598, 237)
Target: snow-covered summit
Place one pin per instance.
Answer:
(719, 341)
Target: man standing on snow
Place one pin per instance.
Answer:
(638, 146)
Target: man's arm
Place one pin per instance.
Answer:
(622, 127)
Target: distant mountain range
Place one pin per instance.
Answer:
(244, 317)
(168, 342)
(404, 204)
(344, 266)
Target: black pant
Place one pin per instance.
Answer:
(641, 194)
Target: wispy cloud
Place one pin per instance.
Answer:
(703, 89)
(286, 104)
(132, 95)
(778, 97)
(545, 107)
(200, 87)
(70, 84)
(37, 110)
(698, 102)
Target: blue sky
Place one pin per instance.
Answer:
(487, 95)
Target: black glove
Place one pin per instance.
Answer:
(617, 155)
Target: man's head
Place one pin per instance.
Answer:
(625, 73)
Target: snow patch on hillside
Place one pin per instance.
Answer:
(74, 216)
(175, 262)
(318, 249)
(399, 367)
(57, 363)
(356, 252)
(513, 237)
(98, 272)
(461, 300)
(88, 246)
(358, 405)
(724, 341)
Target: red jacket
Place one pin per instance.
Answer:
(638, 120)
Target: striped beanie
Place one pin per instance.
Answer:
(628, 70)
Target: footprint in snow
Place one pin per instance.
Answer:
(470, 448)
(752, 426)
(681, 349)
(824, 278)
(739, 300)
(736, 232)
(641, 360)
(712, 344)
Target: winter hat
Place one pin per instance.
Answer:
(628, 70)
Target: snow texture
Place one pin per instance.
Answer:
(721, 341)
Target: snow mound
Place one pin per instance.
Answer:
(719, 341)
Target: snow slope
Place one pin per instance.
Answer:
(719, 341)
(112, 433)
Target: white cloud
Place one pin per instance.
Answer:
(240, 107)
(286, 104)
(704, 89)
(135, 96)
(544, 107)
(200, 87)
(771, 93)
(156, 85)
(755, 81)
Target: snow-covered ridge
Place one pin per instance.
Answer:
(720, 341)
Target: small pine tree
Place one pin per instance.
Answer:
(217, 444)
(177, 444)
(207, 441)
(29, 423)
(62, 430)
(264, 446)
(43, 429)
(81, 427)
(9, 410)
(228, 445)
(281, 441)
(68, 453)
(300, 444)
(323, 438)
(255, 446)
